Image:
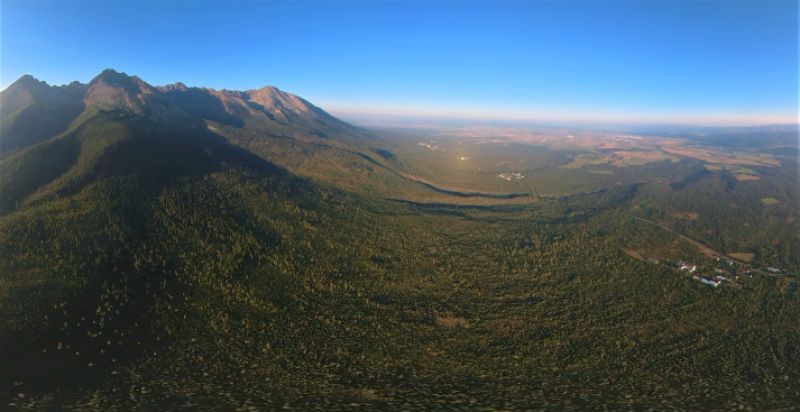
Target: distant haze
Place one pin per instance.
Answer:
(409, 116)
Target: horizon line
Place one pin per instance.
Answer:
(383, 112)
(534, 115)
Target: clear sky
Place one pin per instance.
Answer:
(702, 62)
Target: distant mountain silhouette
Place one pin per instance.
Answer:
(32, 111)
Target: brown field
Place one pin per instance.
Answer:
(450, 321)
(621, 158)
(770, 201)
(639, 157)
(713, 156)
(686, 215)
(581, 161)
(743, 256)
(634, 254)
(742, 177)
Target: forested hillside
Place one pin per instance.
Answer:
(150, 262)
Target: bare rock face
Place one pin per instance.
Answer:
(114, 90)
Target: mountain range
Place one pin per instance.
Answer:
(27, 102)
(80, 127)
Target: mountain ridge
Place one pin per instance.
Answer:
(60, 139)
(267, 108)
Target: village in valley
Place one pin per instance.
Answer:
(715, 270)
(509, 176)
(431, 145)
(609, 154)
(715, 276)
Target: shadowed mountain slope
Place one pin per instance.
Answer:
(33, 111)
(279, 127)
(56, 138)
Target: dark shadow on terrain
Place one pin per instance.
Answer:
(201, 103)
(26, 172)
(471, 194)
(692, 178)
(385, 154)
(134, 172)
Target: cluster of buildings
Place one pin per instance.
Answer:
(509, 176)
(432, 146)
(716, 276)
(728, 274)
(718, 269)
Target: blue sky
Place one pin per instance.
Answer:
(701, 62)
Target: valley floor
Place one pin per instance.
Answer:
(331, 301)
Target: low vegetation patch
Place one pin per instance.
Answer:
(686, 215)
